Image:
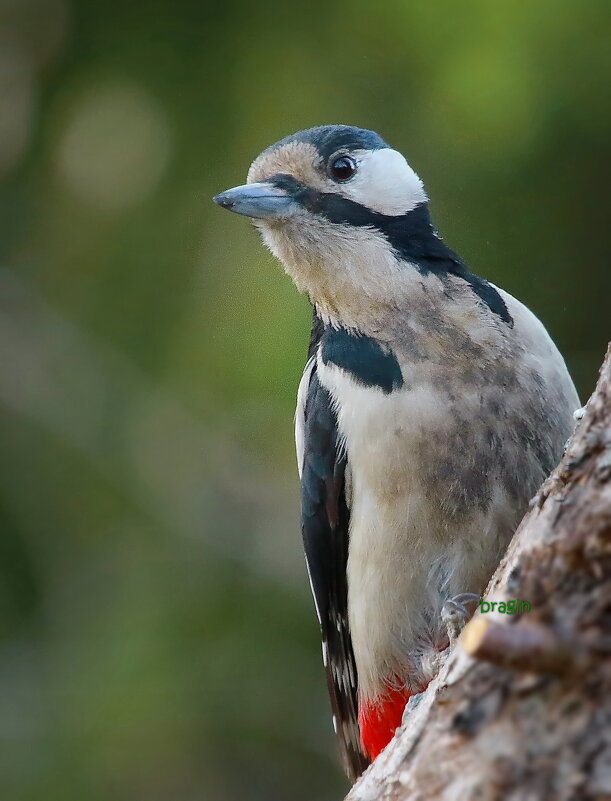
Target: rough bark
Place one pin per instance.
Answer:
(522, 708)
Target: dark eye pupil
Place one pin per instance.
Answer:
(343, 168)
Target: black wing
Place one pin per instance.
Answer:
(325, 520)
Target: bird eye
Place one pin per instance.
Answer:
(342, 168)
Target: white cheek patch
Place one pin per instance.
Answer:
(384, 183)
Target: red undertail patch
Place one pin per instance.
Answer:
(379, 721)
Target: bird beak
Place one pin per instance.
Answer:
(261, 201)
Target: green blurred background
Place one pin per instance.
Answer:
(157, 638)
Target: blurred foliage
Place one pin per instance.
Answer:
(157, 639)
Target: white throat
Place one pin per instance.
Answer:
(350, 273)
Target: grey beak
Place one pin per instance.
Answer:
(261, 201)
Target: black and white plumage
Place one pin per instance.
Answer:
(325, 524)
(432, 406)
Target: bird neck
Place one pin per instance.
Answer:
(351, 274)
(357, 274)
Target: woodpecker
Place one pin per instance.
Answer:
(432, 406)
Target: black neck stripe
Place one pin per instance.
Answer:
(410, 235)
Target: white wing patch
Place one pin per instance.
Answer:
(316, 607)
(302, 394)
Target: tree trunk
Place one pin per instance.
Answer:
(522, 708)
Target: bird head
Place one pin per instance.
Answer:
(336, 205)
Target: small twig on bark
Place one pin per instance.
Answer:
(528, 647)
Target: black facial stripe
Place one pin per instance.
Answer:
(411, 235)
(363, 357)
(333, 207)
